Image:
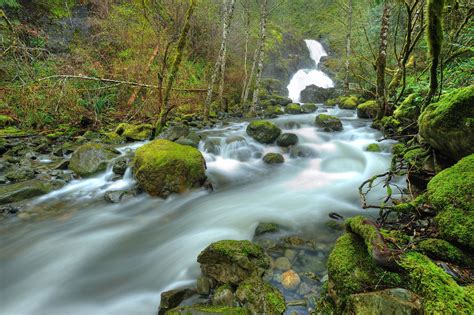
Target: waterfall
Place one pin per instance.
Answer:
(306, 77)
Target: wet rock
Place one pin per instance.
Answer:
(273, 158)
(89, 159)
(282, 263)
(302, 151)
(204, 285)
(293, 109)
(392, 301)
(264, 228)
(173, 133)
(134, 132)
(290, 254)
(316, 94)
(162, 167)
(173, 298)
(191, 139)
(26, 190)
(290, 280)
(260, 297)
(328, 123)
(303, 289)
(232, 139)
(263, 131)
(115, 196)
(212, 145)
(233, 261)
(308, 108)
(223, 295)
(373, 147)
(287, 139)
(207, 310)
(348, 102)
(18, 174)
(120, 166)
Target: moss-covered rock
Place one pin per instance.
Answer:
(373, 147)
(134, 132)
(260, 297)
(26, 190)
(287, 139)
(348, 102)
(293, 109)
(409, 109)
(440, 293)
(273, 158)
(309, 108)
(12, 132)
(450, 192)
(162, 167)
(328, 122)
(442, 250)
(352, 270)
(263, 131)
(6, 121)
(368, 109)
(89, 159)
(207, 310)
(448, 124)
(232, 261)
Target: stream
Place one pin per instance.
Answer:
(94, 257)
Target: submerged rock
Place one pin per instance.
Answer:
(373, 147)
(448, 124)
(233, 261)
(328, 122)
(208, 310)
(134, 132)
(89, 159)
(263, 131)
(273, 158)
(290, 280)
(162, 167)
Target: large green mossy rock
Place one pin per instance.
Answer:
(89, 159)
(207, 310)
(369, 109)
(352, 270)
(162, 167)
(134, 132)
(451, 193)
(293, 109)
(259, 297)
(263, 131)
(409, 109)
(348, 102)
(232, 262)
(448, 125)
(396, 301)
(26, 190)
(328, 122)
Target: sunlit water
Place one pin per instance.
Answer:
(92, 257)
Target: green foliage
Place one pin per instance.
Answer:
(9, 4)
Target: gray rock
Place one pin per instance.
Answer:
(302, 152)
(287, 139)
(120, 165)
(273, 158)
(89, 159)
(173, 298)
(282, 263)
(26, 190)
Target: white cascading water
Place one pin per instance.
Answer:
(92, 257)
(306, 77)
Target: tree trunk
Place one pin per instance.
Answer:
(348, 47)
(165, 109)
(258, 76)
(382, 61)
(250, 78)
(247, 36)
(434, 37)
(219, 66)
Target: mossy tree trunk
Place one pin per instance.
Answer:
(348, 47)
(246, 50)
(382, 61)
(166, 108)
(263, 36)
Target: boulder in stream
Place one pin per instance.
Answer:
(369, 109)
(273, 158)
(328, 122)
(316, 94)
(287, 139)
(293, 109)
(263, 131)
(162, 167)
(89, 159)
(26, 190)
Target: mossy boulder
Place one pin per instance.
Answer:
(443, 250)
(316, 94)
(328, 122)
(89, 159)
(448, 124)
(231, 262)
(134, 132)
(348, 102)
(293, 109)
(259, 297)
(273, 158)
(409, 109)
(373, 147)
(287, 139)
(162, 167)
(440, 293)
(368, 109)
(6, 121)
(207, 310)
(451, 193)
(309, 108)
(352, 270)
(391, 301)
(26, 190)
(263, 131)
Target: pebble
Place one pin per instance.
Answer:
(290, 254)
(290, 280)
(282, 263)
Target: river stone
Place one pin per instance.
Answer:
(233, 261)
(115, 196)
(290, 280)
(27, 189)
(391, 301)
(134, 132)
(204, 285)
(328, 122)
(308, 108)
(223, 295)
(89, 159)
(263, 131)
(316, 94)
(192, 139)
(162, 167)
(369, 109)
(293, 109)
(282, 263)
(120, 166)
(259, 297)
(173, 133)
(232, 139)
(448, 124)
(212, 145)
(18, 174)
(264, 228)
(173, 298)
(287, 139)
(273, 158)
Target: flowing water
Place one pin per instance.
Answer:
(92, 257)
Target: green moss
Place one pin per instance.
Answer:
(348, 102)
(162, 167)
(309, 108)
(368, 109)
(328, 122)
(112, 138)
(5, 121)
(293, 109)
(352, 270)
(373, 147)
(448, 124)
(366, 231)
(263, 131)
(206, 309)
(441, 294)
(234, 249)
(434, 29)
(409, 109)
(134, 132)
(25, 190)
(443, 250)
(260, 297)
(12, 132)
(332, 102)
(273, 158)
